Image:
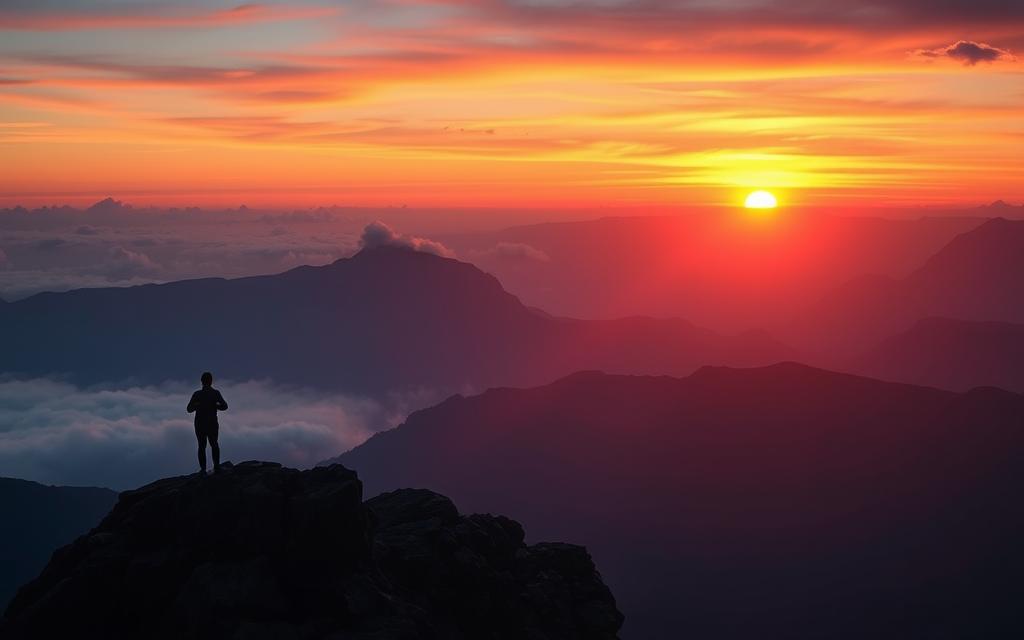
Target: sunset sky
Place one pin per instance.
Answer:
(511, 102)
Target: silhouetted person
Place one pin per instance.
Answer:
(206, 403)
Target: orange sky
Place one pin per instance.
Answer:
(511, 102)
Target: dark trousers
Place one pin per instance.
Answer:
(204, 433)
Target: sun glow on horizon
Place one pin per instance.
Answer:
(761, 200)
(526, 104)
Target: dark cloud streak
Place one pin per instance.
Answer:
(967, 52)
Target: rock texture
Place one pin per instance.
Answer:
(262, 551)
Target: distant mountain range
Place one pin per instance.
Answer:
(391, 319)
(783, 501)
(386, 319)
(37, 520)
(951, 354)
(976, 277)
(719, 270)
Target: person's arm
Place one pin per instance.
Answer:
(221, 405)
(191, 404)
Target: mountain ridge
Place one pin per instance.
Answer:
(972, 278)
(387, 319)
(951, 354)
(840, 478)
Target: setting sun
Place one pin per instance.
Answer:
(761, 200)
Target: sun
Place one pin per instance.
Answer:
(761, 200)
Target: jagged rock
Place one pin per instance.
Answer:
(262, 551)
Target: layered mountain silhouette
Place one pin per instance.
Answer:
(975, 277)
(951, 354)
(386, 319)
(1002, 208)
(719, 269)
(261, 551)
(37, 520)
(784, 501)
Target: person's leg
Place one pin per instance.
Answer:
(214, 446)
(201, 439)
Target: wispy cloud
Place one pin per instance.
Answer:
(379, 234)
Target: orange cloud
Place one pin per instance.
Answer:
(465, 102)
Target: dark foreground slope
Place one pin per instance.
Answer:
(386, 319)
(784, 502)
(951, 354)
(36, 520)
(266, 552)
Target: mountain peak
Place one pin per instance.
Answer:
(999, 205)
(108, 204)
(299, 553)
(387, 319)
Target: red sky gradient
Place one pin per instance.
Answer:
(511, 102)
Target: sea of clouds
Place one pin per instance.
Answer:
(118, 436)
(112, 244)
(57, 433)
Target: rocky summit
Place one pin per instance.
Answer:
(262, 551)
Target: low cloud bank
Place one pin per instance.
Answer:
(114, 244)
(56, 433)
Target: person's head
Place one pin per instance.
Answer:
(206, 379)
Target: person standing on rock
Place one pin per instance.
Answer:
(205, 403)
